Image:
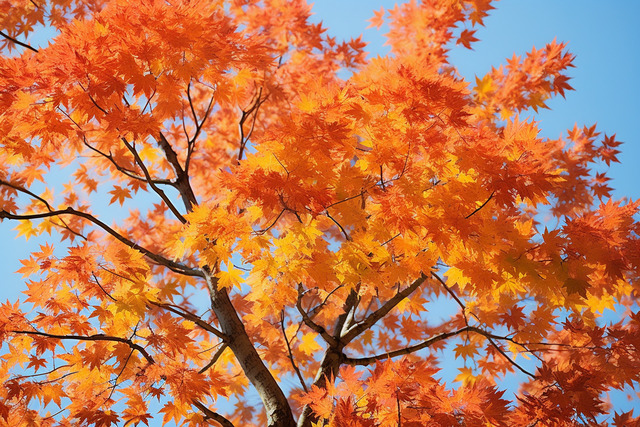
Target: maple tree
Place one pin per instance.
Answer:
(299, 215)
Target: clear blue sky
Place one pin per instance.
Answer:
(604, 36)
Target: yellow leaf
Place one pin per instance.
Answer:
(149, 154)
(455, 275)
(230, 278)
(465, 178)
(466, 376)
(484, 86)
(600, 303)
(308, 344)
(25, 228)
(188, 324)
(242, 77)
(307, 104)
(23, 100)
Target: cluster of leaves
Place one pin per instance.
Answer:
(305, 227)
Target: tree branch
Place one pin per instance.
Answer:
(275, 402)
(159, 259)
(209, 414)
(199, 124)
(370, 320)
(182, 178)
(407, 350)
(490, 337)
(192, 317)
(214, 359)
(129, 173)
(150, 180)
(293, 362)
(311, 324)
(124, 170)
(506, 356)
(345, 320)
(18, 42)
(44, 202)
(427, 343)
(333, 356)
(96, 337)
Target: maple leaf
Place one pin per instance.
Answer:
(119, 194)
(514, 317)
(484, 86)
(466, 38)
(36, 363)
(466, 376)
(624, 419)
(320, 401)
(466, 350)
(230, 277)
(26, 229)
(378, 18)
(576, 286)
(308, 344)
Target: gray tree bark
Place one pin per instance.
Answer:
(275, 402)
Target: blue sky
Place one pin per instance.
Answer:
(603, 35)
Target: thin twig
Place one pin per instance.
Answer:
(346, 235)
(100, 286)
(487, 335)
(453, 295)
(311, 324)
(192, 317)
(245, 114)
(429, 342)
(346, 199)
(18, 42)
(264, 230)
(115, 384)
(214, 359)
(293, 362)
(21, 377)
(481, 206)
(318, 307)
(150, 180)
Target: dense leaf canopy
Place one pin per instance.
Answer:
(251, 223)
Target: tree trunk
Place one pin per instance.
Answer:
(329, 368)
(275, 403)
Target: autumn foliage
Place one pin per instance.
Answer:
(248, 222)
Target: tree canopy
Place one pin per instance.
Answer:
(250, 222)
